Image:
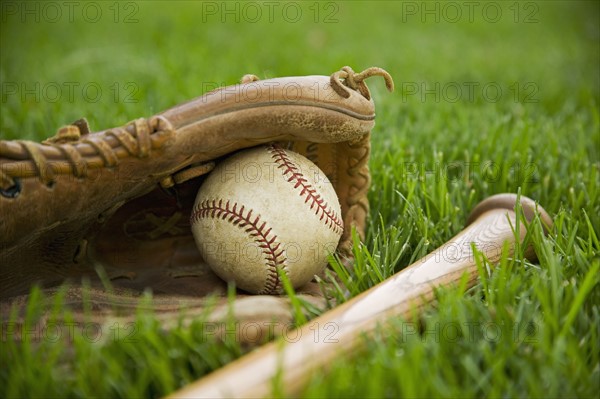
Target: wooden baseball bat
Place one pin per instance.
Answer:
(492, 223)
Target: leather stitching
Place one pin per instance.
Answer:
(322, 209)
(261, 234)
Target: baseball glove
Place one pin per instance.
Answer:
(115, 205)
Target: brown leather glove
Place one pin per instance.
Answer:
(117, 203)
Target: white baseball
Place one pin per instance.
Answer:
(265, 209)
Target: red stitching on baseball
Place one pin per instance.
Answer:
(275, 257)
(323, 210)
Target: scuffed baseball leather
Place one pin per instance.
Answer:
(118, 201)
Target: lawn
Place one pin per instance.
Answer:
(490, 97)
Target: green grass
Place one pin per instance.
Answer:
(433, 160)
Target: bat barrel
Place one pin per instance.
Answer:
(490, 226)
(508, 201)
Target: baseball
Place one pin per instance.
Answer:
(262, 210)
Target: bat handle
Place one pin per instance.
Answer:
(492, 223)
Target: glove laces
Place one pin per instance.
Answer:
(355, 81)
(72, 151)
